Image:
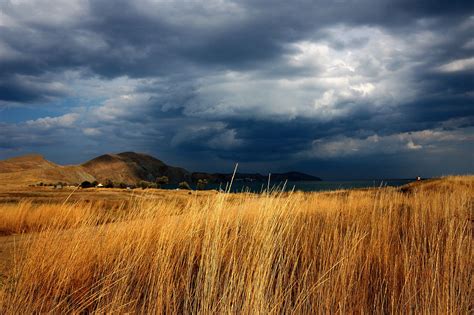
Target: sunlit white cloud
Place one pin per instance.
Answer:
(430, 140)
(91, 131)
(64, 121)
(326, 83)
(458, 65)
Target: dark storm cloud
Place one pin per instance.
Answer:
(27, 89)
(249, 81)
(138, 38)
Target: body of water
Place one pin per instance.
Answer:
(239, 186)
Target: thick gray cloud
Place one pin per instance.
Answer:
(311, 85)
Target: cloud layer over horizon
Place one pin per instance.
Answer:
(340, 89)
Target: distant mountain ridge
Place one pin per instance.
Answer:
(127, 167)
(249, 177)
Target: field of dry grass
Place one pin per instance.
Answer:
(386, 250)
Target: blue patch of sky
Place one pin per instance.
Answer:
(18, 114)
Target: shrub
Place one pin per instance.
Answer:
(143, 184)
(201, 184)
(162, 180)
(109, 184)
(86, 184)
(184, 185)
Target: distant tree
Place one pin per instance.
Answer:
(86, 184)
(122, 185)
(184, 185)
(153, 185)
(143, 184)
(201, 184)
(95, 183)
(162, 180)
(41, 184)
(109, 184)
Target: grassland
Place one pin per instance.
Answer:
(386, 250)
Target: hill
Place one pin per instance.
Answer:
(127, 167)
(130, 167)
(26, 162)
(35, 168)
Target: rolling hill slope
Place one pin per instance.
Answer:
(126, 167)
(130, 167)
(34, 168)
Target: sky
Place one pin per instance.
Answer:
(340, 89)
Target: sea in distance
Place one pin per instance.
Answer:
(257, 186)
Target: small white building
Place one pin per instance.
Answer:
(100, 185)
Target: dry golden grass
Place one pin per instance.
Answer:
(356, 251)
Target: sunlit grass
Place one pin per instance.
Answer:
(350, 251)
